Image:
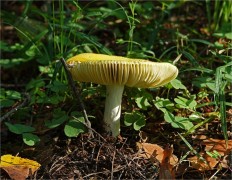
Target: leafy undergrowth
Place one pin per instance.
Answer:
(181, 130)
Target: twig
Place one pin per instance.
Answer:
(76, 94)
(12, 85)
(12, 111)
(112, 167)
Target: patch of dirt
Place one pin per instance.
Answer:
(96, 158)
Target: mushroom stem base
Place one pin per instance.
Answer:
(113, 109)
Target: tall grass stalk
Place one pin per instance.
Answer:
(220, 84)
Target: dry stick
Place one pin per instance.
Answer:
(12, 111)
(77, 95)
(112, 167)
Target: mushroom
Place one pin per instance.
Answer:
(116, 72)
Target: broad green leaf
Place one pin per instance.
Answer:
(229, 35)
(169, 117)
(181, 102)
(128, 119)
(31, 52)
(182, 122)
(35, 83)
(76, 114)
(191, 103)
(74, 127)
(135, 118)
(30, 139)
(9, 63)
(57, 86)
(55, 99)
(142, 102)
(6, 103)
(177, 84)
(13, 94)
(2, 93)
(141, 122)
(59, 117)
(19, 128)
(162, 104)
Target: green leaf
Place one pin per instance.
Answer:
(2, 93)
(5, 47)
(229, 35)
(13, 94)
(141, 122)
(203, 82)
(185, 103)
(182, 122)
(163, 104)
(59, 117)
(31, 52)
(181, 102)
(9, 63)
(58, 86)
(190, 58)
(30, 139)
(35, 83)
(74, 127)
(19, 128)
(135, 118)
(202, 41)
(142, 102)
(55, 99)
(142, 99)
(6, 103)
(177, 121)
(191, 103)
(128, 119)
(169, 117)
(177, 84)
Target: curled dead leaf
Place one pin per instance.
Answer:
(154, 152)
(218, 145)
(212, 145)
(18, 168)
(201, 165)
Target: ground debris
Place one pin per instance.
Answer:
(92, 158)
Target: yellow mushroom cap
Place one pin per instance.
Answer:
(117, 70)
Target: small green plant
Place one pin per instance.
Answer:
(75, 125)
(135, 119)
(26, 131)
(8, 97)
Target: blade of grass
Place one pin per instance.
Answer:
(191, 148)
(220, 84)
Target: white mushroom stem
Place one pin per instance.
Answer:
(113, 108)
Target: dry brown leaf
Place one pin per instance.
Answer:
(166, 169)
(154, 152)
(201, 165)
(218, 145)
(18, 168)
(210, 146)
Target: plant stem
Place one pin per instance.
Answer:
(77, 95)
(113, 108)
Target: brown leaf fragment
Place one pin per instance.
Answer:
(212, 145)
(18, 168)
(154, 152)
(218, 145)
(166, 169)
(200, 165)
